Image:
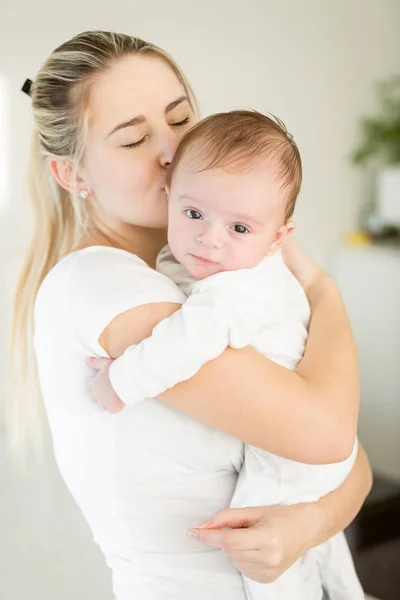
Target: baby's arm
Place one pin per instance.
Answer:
(309, 415)
(178, 347)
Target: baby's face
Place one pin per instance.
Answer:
(221, 221)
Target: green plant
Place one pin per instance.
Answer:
(381, 135)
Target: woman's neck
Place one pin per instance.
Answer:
(144, 242)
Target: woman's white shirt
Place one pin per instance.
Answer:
(143, 477)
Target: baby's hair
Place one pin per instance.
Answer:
(240, 140)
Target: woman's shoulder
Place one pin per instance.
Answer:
(90, 287)
(88, 263)
(94, 261)
(100, 272)
(103, 257)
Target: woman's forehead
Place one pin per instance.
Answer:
(133, 86)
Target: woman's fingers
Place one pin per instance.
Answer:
(300, 264)
(250, 556)
(256, 552)
(226, 539)
(229, 529)
(268, 541)
(237, 529)
(234, 518)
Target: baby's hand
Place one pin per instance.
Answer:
(100, 385)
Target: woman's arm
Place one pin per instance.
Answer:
(309, 415)
(264, 542)
(341, 506)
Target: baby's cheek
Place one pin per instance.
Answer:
(177, 241)
(244, 256)
(171, 237)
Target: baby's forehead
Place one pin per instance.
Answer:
(197, 159)
(262, 174)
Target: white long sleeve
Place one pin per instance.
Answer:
(177, 348)
(226, 309)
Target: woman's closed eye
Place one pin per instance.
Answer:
(181, 123)
(136, 144)
(145, 137)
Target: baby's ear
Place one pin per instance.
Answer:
(280, 237)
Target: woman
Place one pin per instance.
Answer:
(109, 111)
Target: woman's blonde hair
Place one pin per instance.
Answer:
(58, 96)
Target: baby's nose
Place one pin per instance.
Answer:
(212, 237)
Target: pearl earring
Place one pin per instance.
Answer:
(83, 194)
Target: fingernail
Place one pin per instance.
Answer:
(203, 525)
(193, 533)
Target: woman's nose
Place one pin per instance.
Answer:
(168, 145)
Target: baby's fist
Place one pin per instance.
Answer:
(100, 386)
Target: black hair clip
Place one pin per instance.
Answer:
(26, 88)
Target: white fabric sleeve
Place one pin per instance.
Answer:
(176, 350)
(223, 310)
(105, 282)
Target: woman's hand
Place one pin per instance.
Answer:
(100, 385)
(263, 542)
(306, 271)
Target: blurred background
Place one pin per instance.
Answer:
(315, 64)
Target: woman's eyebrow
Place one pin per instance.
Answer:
(141, 118)
(175, 103)
(135, 121)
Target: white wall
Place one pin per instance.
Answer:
(311, 62)
(372, 299)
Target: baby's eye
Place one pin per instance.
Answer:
(193, 214)
(240, 229)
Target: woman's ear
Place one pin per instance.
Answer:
(280, 237)
(63, 171)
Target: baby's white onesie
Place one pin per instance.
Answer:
(264, 307)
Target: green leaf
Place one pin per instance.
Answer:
(380, 136)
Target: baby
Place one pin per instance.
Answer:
(232, 187)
